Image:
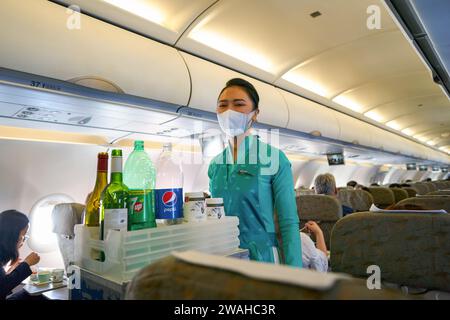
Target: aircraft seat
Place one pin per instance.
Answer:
(359, 200)
(421, 188)
(323, 209)
(439, 193)
(429, 202)
(410, 249)
(399, 194)
(64, 217)
(220, 278)
(411, 191)
(382, 197)
(431, 186)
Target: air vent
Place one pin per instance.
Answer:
(316, 14)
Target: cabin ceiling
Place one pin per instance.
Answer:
(333, 58)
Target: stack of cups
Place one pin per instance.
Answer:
(194, 207)
(214, 208)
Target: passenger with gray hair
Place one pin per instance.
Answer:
(326, 184)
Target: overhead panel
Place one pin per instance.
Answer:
(309, 117)
(160, 19)
(42, 40)
(268, 40)
(209, 79)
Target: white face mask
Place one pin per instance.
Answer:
(235, 123)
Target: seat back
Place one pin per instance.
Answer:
(399, 194)
(410, 249)
(411, 191)
(323, 209)
(441, 185)
(421, 188)
(358, 200)
(382, 197)
(431, 202)
(439, 193)
(431, 186)
(64, 217)
(172, 278)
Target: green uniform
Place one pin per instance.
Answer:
(259, 182)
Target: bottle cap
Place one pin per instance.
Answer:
(116, 153)
(103, 155)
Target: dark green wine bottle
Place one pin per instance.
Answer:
(114, 199)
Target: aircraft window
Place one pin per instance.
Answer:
(42, 239)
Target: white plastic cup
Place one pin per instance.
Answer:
(194, 207)
(214, 208)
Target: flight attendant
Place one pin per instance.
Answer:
(255, 180)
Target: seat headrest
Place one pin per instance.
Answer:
(319, 207)
(358, 200)
(430, 202)
(65, 216)
(198, 276)
(382, 196)
(409, 248)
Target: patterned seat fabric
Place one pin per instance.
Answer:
(431, 186)
(439, 193)
(399, 194)
(359, 200)
(323, 209)
(430, 203)
(411, 191)
(173, 279)
(421, 188)
(410, 249)
(382, 197)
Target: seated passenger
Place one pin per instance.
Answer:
(312, 257)
(352, 184)
(325, 184)
(13, 233)
(405, 185)
(395, 185)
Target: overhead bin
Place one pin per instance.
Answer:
(38, 38)
(309, 117)
(208, 79)
(353, 130)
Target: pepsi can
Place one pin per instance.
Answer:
(169, 205)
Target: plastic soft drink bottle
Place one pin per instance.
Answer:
(139, 176)
(169, 188)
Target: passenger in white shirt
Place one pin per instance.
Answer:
(312, 257)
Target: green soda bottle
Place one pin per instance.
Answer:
(140, 177)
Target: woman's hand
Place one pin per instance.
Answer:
(32, 259)
(313, 227)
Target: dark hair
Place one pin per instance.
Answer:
(394, 185)
(352, 183)
(248, 88)
(12, 222)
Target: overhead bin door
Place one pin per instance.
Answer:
(354, 131)
(40, 37)
(310, 117)
(208, 79)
